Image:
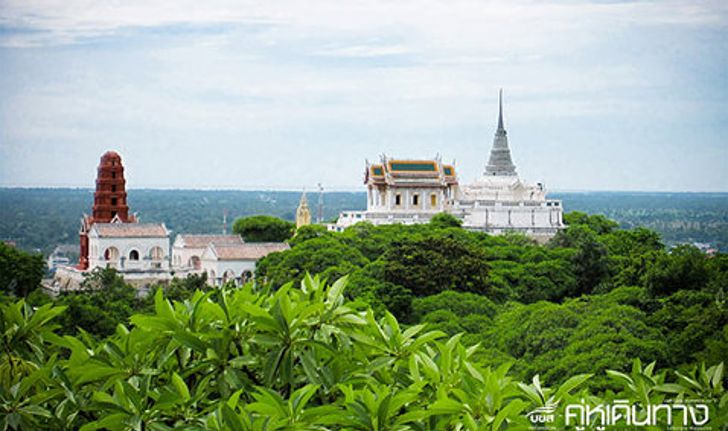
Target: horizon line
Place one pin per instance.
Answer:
(333, 189)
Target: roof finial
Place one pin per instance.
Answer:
(500, 110)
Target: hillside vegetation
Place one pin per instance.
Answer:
(425, 327)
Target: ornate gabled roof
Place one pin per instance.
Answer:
(500, 162)
(410, 173)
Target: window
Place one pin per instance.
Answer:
(415, 200)
(156, 253)
(111, 253)
(114, 201)
(398, 199)
(113, 175)
(433, 200)
(133, 255)
(113, 188)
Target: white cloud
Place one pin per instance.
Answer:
(308, 82)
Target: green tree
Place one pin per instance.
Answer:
(20, 272)
(307, 232)
(435, 263)
(683, 268)
(597, 223)
(263, 228)
(104, 302)
(589, 259)
(325, 255)
(445, 220)
(459, 303)
(294, 358)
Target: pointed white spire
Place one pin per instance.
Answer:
(500, 162)
(500, 110)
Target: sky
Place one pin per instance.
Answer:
(600, 95)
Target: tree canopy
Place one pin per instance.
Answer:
(263, 228)
(297, 358)
(20, 272)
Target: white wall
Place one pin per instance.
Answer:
(216, 269)
(97, 247)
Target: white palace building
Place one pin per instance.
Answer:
(112, 237)
(412, 191)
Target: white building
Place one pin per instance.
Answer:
(499, 201)
(129, 247)
(404, 191)
(187, 250)
(224, 263)
(412, 191)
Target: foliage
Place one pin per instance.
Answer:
(445, 220)
(459, 303)
(585, 335)
(20, 272)
(325, 255)
(435, 263)
(297, 358)
(263, 228)
(103, 302)
(683, 268)
(306, 232)
(589, 261)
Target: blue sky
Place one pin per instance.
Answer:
(602, 95)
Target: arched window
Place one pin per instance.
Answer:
(228, 275)
(133, 255)
(246, 276)
(111, 254)
(195, 262)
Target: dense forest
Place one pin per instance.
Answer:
(41, 219)
(425, 327)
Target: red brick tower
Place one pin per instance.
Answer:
(110, 196)
(109, 201)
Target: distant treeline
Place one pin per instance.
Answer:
(40, 219)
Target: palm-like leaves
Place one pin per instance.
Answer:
(252, 359)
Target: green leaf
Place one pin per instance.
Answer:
(571, 384)
(92, 372)
(337, 289)
(716, 379)
(510, 411)
(671, 388)
(191, 341)
(446, 406)
(180, 386)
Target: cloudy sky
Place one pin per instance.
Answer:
(601, 95)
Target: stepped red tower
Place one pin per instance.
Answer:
(109, 201)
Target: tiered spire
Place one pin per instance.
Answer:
(500, 162)
(303, 213)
